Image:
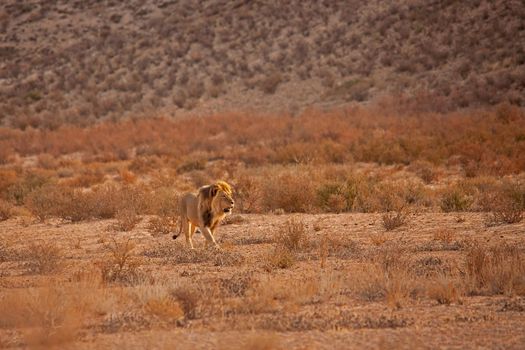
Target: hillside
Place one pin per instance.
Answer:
(80, 61)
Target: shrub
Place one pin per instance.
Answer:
(455, 199)
(498, 269)
(270, 83)
(127, 219)
(292, 236)
(444, 290)
(338, 196)
(507, 204)
(189, 299)
(162, 225)
(289, 192)
(394, 219)
(121, 266)
(43, 257)
(6, 210)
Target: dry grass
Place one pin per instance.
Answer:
(44, 257)
(498, 269)
(445, 290)
(121, 265)
(394, 219)
(48, 317)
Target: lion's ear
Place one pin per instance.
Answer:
(213, 190)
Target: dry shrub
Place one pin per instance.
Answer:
(493, 270)
(6, 210)
(507, 204)
(425, 170)
(189, 298)
(387, 278)
(162, 225)
(77, 205)
(394, 219)
(270, 83)
(120, 266)
(248, 194)
(157, 301)
(445, 290)
(127, 219)
(291, 192)
(292, 236)
(338, 196)
(279, 258)
(43, 257)
(18, 191)
(237, 285)
(456, 198)
(48, 317)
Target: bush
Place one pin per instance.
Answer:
(495, 270)
(292, 236)
(270, 83)
(6, 210)
(44, 257)
(394, 219)
(455, 199)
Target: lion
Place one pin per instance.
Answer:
(205, 211)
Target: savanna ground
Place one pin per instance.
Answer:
(362, 227)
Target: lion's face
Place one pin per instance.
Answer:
(223, 203)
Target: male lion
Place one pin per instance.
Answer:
(206, 210)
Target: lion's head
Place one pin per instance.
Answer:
(215, 200)
(222, 200)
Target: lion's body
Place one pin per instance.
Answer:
(205, 211)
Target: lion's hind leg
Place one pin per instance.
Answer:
(188, 233)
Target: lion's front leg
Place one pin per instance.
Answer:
(188, 232)
(208, 234)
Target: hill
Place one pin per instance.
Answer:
(80, 61)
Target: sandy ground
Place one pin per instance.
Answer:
(322, 320)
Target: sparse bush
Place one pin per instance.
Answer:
(127, 219)
(455, 199)
(121, 266)
(162, 225)
(270, 83)
(292, 236)
(189, 299)
(444, 290)
(6, 210)
(43, 257)
(279, 258)
(394, 219)
(495, 270)
(507, 204)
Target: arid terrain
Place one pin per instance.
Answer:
(376, 151)
(82, 61)
(365, 227)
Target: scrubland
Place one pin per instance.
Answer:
(374, 226)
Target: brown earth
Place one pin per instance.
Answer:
(244, 303)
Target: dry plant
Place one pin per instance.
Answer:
(507, 204)
(6, 210)
(292, 236)
(499, 269)
(48, 316)
(43, 257)
(394, 219)
(189, 298)
(162, 225)
(127, 219)
(445, 290)
(120, 266)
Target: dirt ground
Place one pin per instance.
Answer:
(312, 304)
